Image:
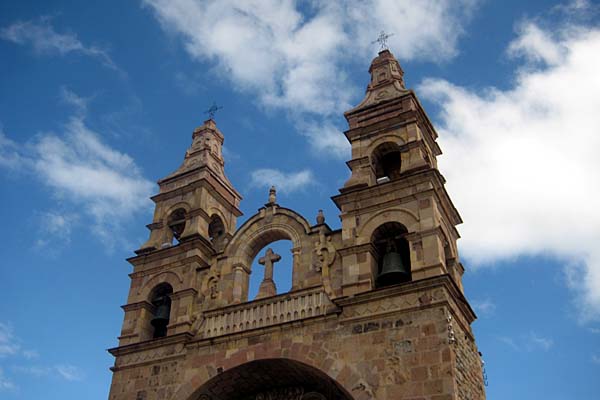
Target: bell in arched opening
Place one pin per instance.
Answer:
(393, 269)
(177, 221)
(161, 316)
(162, 310)
(392, 254)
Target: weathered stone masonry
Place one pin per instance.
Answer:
(376, 310)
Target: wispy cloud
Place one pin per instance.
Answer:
(45, 40)
(294, 60)
(509, 342)
(539, 341)
(532, 341)
(485, 307)
(11, 349)
(521, 163)
(67, 372)
(81, 170)
(5, 383)
(285, 182)
(596, 358)
(9, 345)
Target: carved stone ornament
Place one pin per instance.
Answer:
(325, 251)
(210, 287)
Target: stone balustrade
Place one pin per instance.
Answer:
(267, 312)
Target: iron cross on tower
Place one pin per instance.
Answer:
(212, 110)
(382, 40)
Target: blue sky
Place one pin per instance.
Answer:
(98, 101)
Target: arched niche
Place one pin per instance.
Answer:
(268, 226)
(275, 378)
(392, 254)
(154, 323)
(386, 161)
(217, 231)
(175, 221)
(402, 215)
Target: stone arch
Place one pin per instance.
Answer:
(180, 204)
(262, 229)
(336, 379)
(269, 225)
(215, 211)
(391, 137)
(386, 159)
(402, 215)
(170, 277)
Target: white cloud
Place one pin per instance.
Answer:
(530, 342)
(30, 354)
(484, 307)
(44, 39)
(536, 45)
(537, 341)
(69, 372)
(595, 359)
(87, 174)
(522, 164)
(325, 138)
(284, 182)
(509, 342)
(9, 345)
(9, 155)
(5, 383)
(293, 58)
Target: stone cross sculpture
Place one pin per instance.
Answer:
(267, 286)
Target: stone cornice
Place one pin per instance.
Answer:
(198, 242)
(409, 287)
(150, 344)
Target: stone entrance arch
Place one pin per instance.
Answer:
(270, 224)
(267, 379)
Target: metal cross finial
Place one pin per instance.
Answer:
(212, 110)
(382, 40)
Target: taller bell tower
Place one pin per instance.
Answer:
(395, 185)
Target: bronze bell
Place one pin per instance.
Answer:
(393, 269)
(163, 311)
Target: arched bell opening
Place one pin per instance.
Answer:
(386, 161)
(276, 378)
(176, 223)
(272, 270)
(392, 254)
(160, 298)
(216, 232)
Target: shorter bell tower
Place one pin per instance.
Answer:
(194, 219)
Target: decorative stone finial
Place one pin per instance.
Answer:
(320, 217)
(272, 195)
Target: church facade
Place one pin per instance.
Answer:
(376, 309)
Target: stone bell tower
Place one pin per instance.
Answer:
(195, 216)
(395, 178)
(376, 309)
